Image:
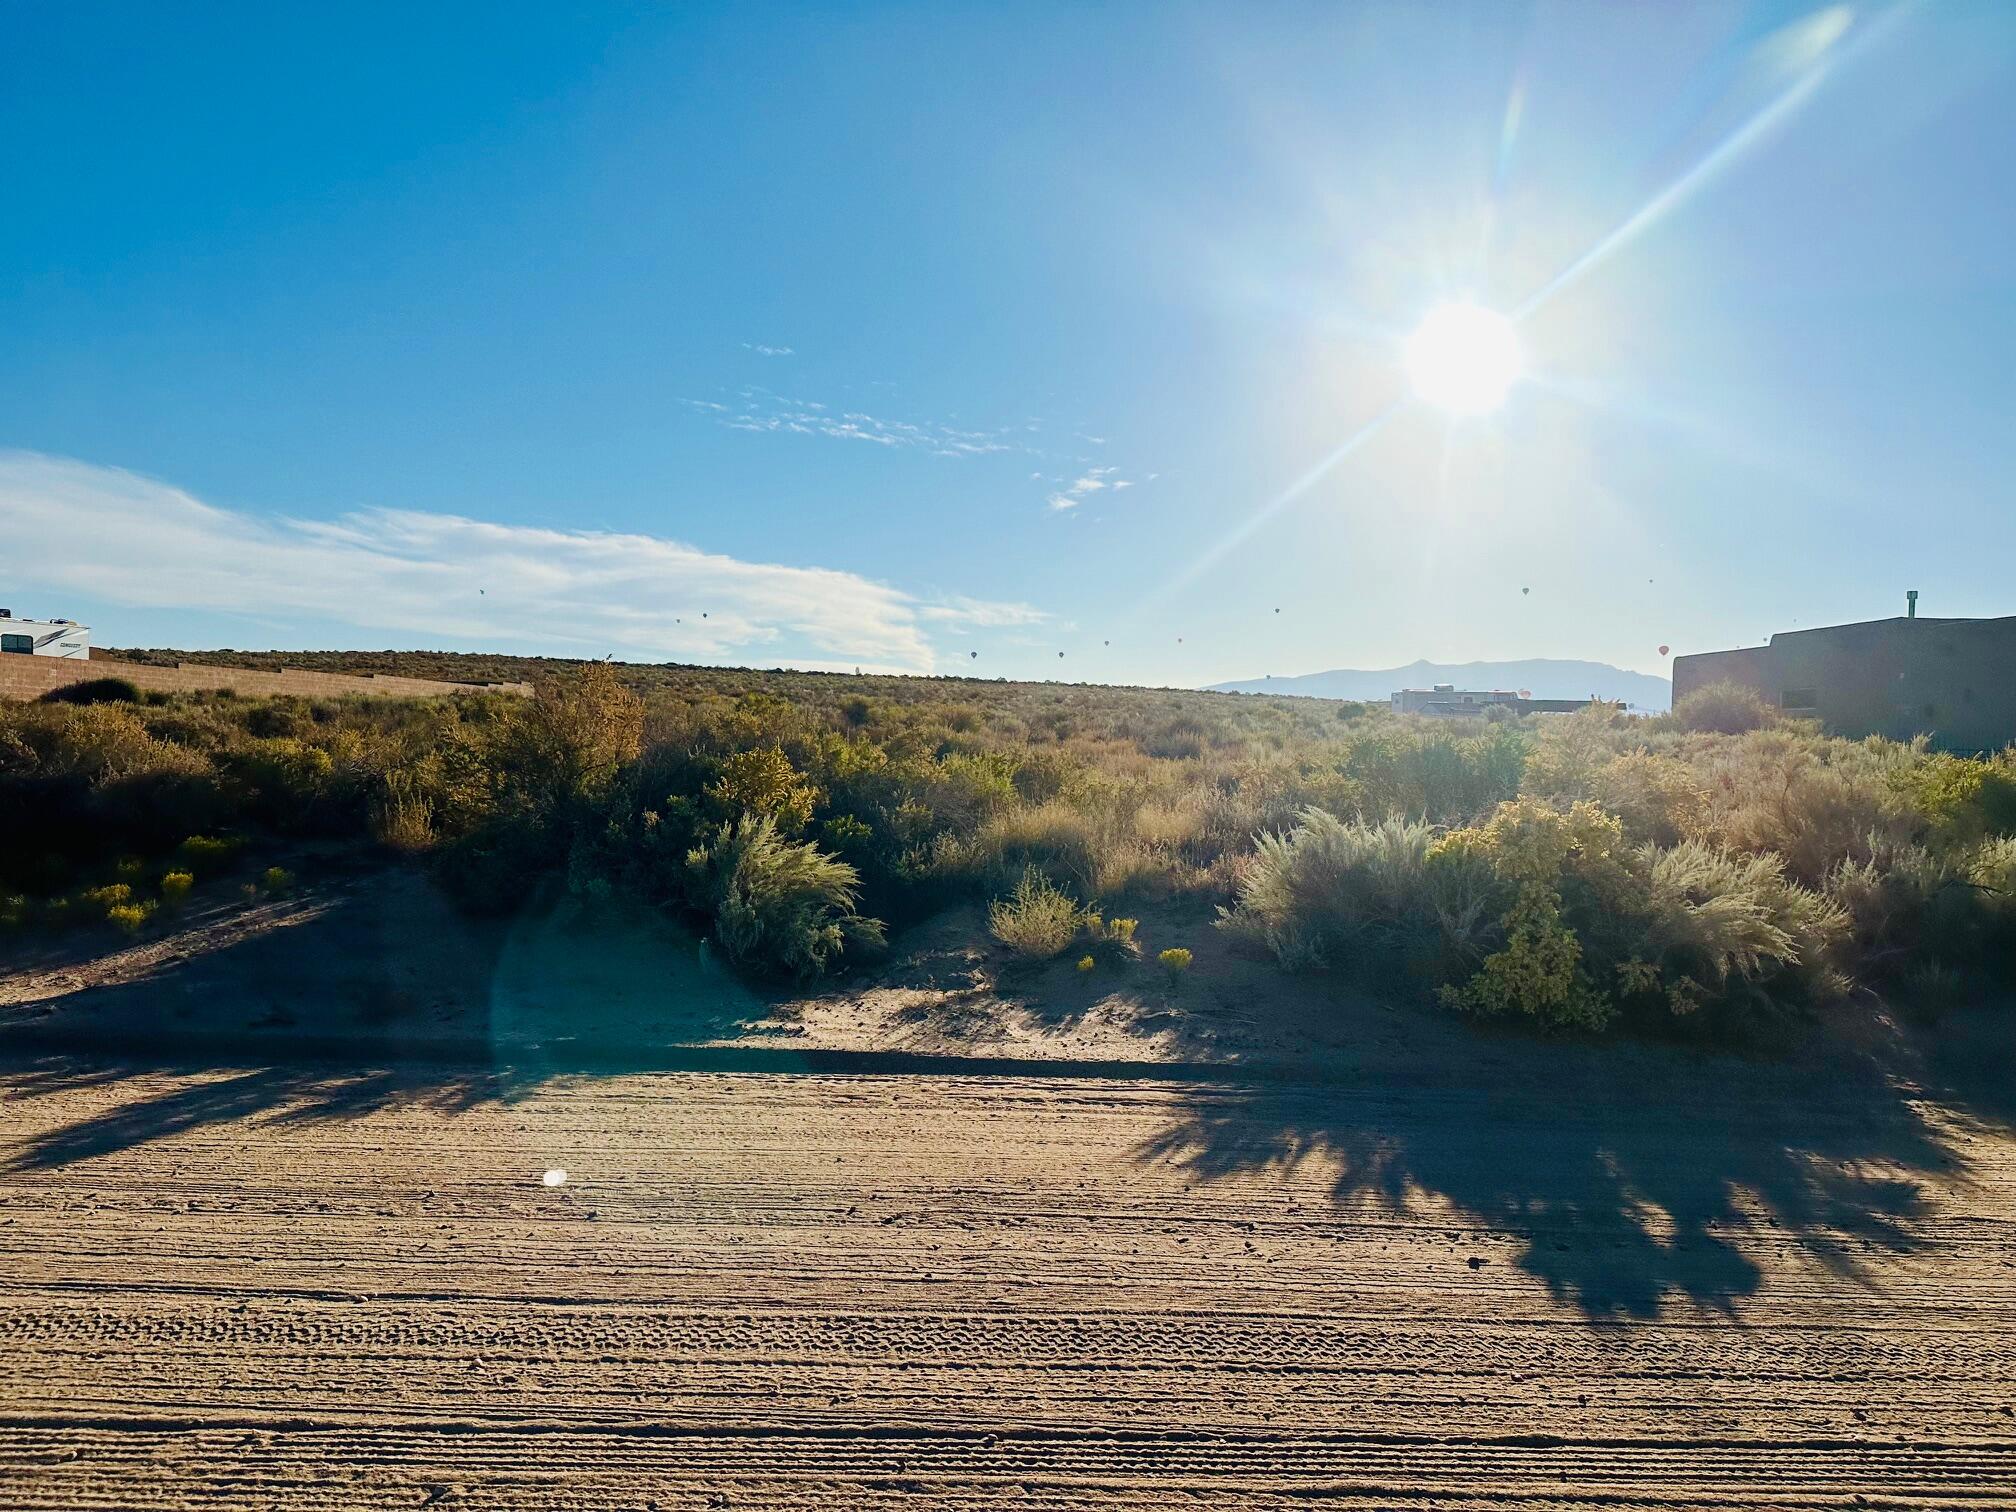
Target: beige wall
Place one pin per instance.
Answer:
(24, 677)
(1749, 666)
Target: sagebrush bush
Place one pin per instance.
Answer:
(778, 905)
(1355, 896)
(1723, 708)
(1038, 919)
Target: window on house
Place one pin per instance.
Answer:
(1799, 698)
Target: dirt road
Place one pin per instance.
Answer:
(253, 1287)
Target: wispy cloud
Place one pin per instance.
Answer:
(767, 351)
(960, 613)
(72, 526)
(1092, 480)
(760, 410)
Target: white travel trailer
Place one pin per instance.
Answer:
(44, 637)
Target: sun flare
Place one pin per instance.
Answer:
(1463, 358)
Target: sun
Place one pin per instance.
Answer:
(1463, 357)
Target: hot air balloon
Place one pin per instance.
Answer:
(1060, 656)
(1524, 591)
(1525, 692)
(974, 654)
(1664, 649)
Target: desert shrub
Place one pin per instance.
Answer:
(1908, 903)
(1038, 919)
(1812, 802)
(1569, 750)
(1175, 961)
(129, 917)
(276, 879)
(1344, 894)
(1723, 708)
(206, 855)
(494, 868)
(1112, 940)
(94, 690)
(98, 902)
(1657, 799)
(402, 818)
(175, 887)
(763, 782)
(1426, 770)
(933, 790)
(1598, 926)
(1537, 973)
(778, 905)
(1705, 926)
(1064, 843)
(568, 744)
(1961, 799)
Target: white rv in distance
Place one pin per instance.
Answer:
(44, 637)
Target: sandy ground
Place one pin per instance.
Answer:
(282, 1287)
(1425, 1268)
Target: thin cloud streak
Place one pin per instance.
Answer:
(130, 540)
(763, 412)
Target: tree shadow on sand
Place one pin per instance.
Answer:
(261, 1095)
(1620, 1187)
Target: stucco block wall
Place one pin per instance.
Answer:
(24, 677)
(1952, 679)
(1748, 666)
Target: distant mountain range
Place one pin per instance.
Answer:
(1543, 678)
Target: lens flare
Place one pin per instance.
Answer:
(1463, 357)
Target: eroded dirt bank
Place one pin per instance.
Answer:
(255, 1286)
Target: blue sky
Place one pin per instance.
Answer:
(880, 336)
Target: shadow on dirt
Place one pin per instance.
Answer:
(1625, 1178)
(1624, 1186)
(266, 1094)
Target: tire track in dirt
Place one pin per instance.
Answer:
(257, 1288)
